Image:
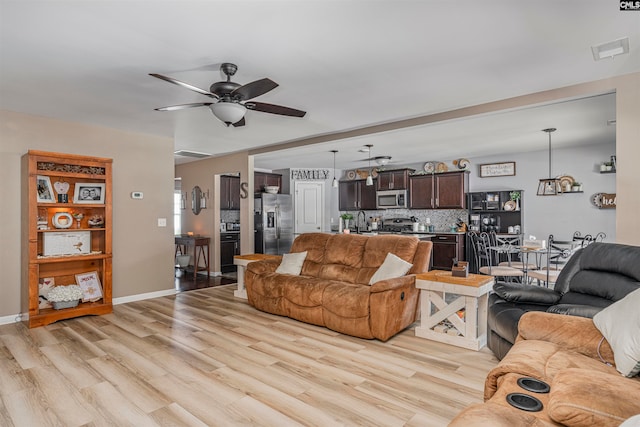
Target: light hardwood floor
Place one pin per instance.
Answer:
(206, 358)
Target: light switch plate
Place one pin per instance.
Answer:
(137, 195)
(162, 222)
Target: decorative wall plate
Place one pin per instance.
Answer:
(441, 167)
(351, 174)
(430, 167)
(509, 205)
(462, 163)
(596, 200)
(566, 182)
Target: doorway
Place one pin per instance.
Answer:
(309, 206)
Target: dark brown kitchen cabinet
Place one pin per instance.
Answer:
(394, 179)
(262, 179)
(438, 191)
(229, 247)
(356, 195)
(229, 192)
(446, 247)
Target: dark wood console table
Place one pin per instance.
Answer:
(200, 248)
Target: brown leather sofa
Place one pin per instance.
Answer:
(333, 288)
(569, 354)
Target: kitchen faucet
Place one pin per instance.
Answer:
(364, 217)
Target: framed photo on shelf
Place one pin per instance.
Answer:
(89, 192)
(45, 190)
(90, 285)
(488, 170)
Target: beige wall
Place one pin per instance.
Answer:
(142, 251)
(205, 174)
(628, 156)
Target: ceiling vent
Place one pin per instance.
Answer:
(186, 153)
(610, 49)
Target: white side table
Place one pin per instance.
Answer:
(242, 261)
(473, 293)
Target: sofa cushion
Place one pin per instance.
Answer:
(292, 263)
(584, 398)
(314, 244)
(391, 268)
(620, 323)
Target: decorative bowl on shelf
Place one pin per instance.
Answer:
(271, 189)
(96, 221)
(65, 296)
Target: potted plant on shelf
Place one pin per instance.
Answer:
(65, 296)
(346, 217)
(515, 196)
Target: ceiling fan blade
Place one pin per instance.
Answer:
(254, 89)
(183, 84)
(239, 123)
(274, 109)
(184, 106)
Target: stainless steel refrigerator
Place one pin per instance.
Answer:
(273, 223)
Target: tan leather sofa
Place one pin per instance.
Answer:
(569, 354)
(333, 288)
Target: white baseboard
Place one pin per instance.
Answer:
(19, 317)
(13, 318)
(140, 297)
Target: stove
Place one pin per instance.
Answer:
(397, 225)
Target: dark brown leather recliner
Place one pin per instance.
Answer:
(593, 278)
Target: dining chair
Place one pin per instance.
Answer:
(512, 253)
(486, 256)
(557, 254)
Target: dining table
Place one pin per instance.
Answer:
(525, 251)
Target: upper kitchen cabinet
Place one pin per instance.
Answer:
(357, 195)
(438, 191)
(397, 179)
(229, 192)
(264, 179)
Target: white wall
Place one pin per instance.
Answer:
(557, 215)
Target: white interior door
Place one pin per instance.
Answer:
(308, 206)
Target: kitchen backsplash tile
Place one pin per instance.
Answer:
(441, 219)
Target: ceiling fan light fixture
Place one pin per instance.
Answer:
(382, 160)
(228, 112)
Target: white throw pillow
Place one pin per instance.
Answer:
(620, 325)
(292, 263)
(392, 267)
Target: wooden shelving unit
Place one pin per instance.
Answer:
(38, 226)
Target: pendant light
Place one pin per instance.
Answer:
(369, 181)
(549, 186)
(334, 183)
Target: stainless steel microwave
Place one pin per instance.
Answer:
(390, 199)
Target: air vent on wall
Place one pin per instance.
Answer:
(187, 153)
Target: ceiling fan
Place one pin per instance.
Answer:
(232, 99)
(380, 160)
